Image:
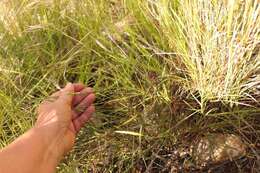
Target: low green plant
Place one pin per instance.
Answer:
(163, 71)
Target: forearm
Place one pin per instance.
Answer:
(29, 154)
(41, 148)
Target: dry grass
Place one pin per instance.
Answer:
(166, 72)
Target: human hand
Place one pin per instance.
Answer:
(62, 115)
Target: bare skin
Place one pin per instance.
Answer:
(60, 118)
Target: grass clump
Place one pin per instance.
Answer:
(165, 73)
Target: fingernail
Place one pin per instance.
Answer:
(68, 84)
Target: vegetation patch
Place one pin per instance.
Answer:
(171, 77)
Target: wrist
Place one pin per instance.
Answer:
(48, 145)
(31, 152)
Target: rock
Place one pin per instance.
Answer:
(217, 148)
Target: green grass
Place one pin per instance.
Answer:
(163, 71)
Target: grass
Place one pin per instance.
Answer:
(165, 72)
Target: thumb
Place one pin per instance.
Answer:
(66, 95)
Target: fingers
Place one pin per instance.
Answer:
(78, 87)
(56, 94)
(52, 98)
(83, 105)
(66, 94)
(80, 99)
(81, 120)
(86, 102)
(81, 95)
